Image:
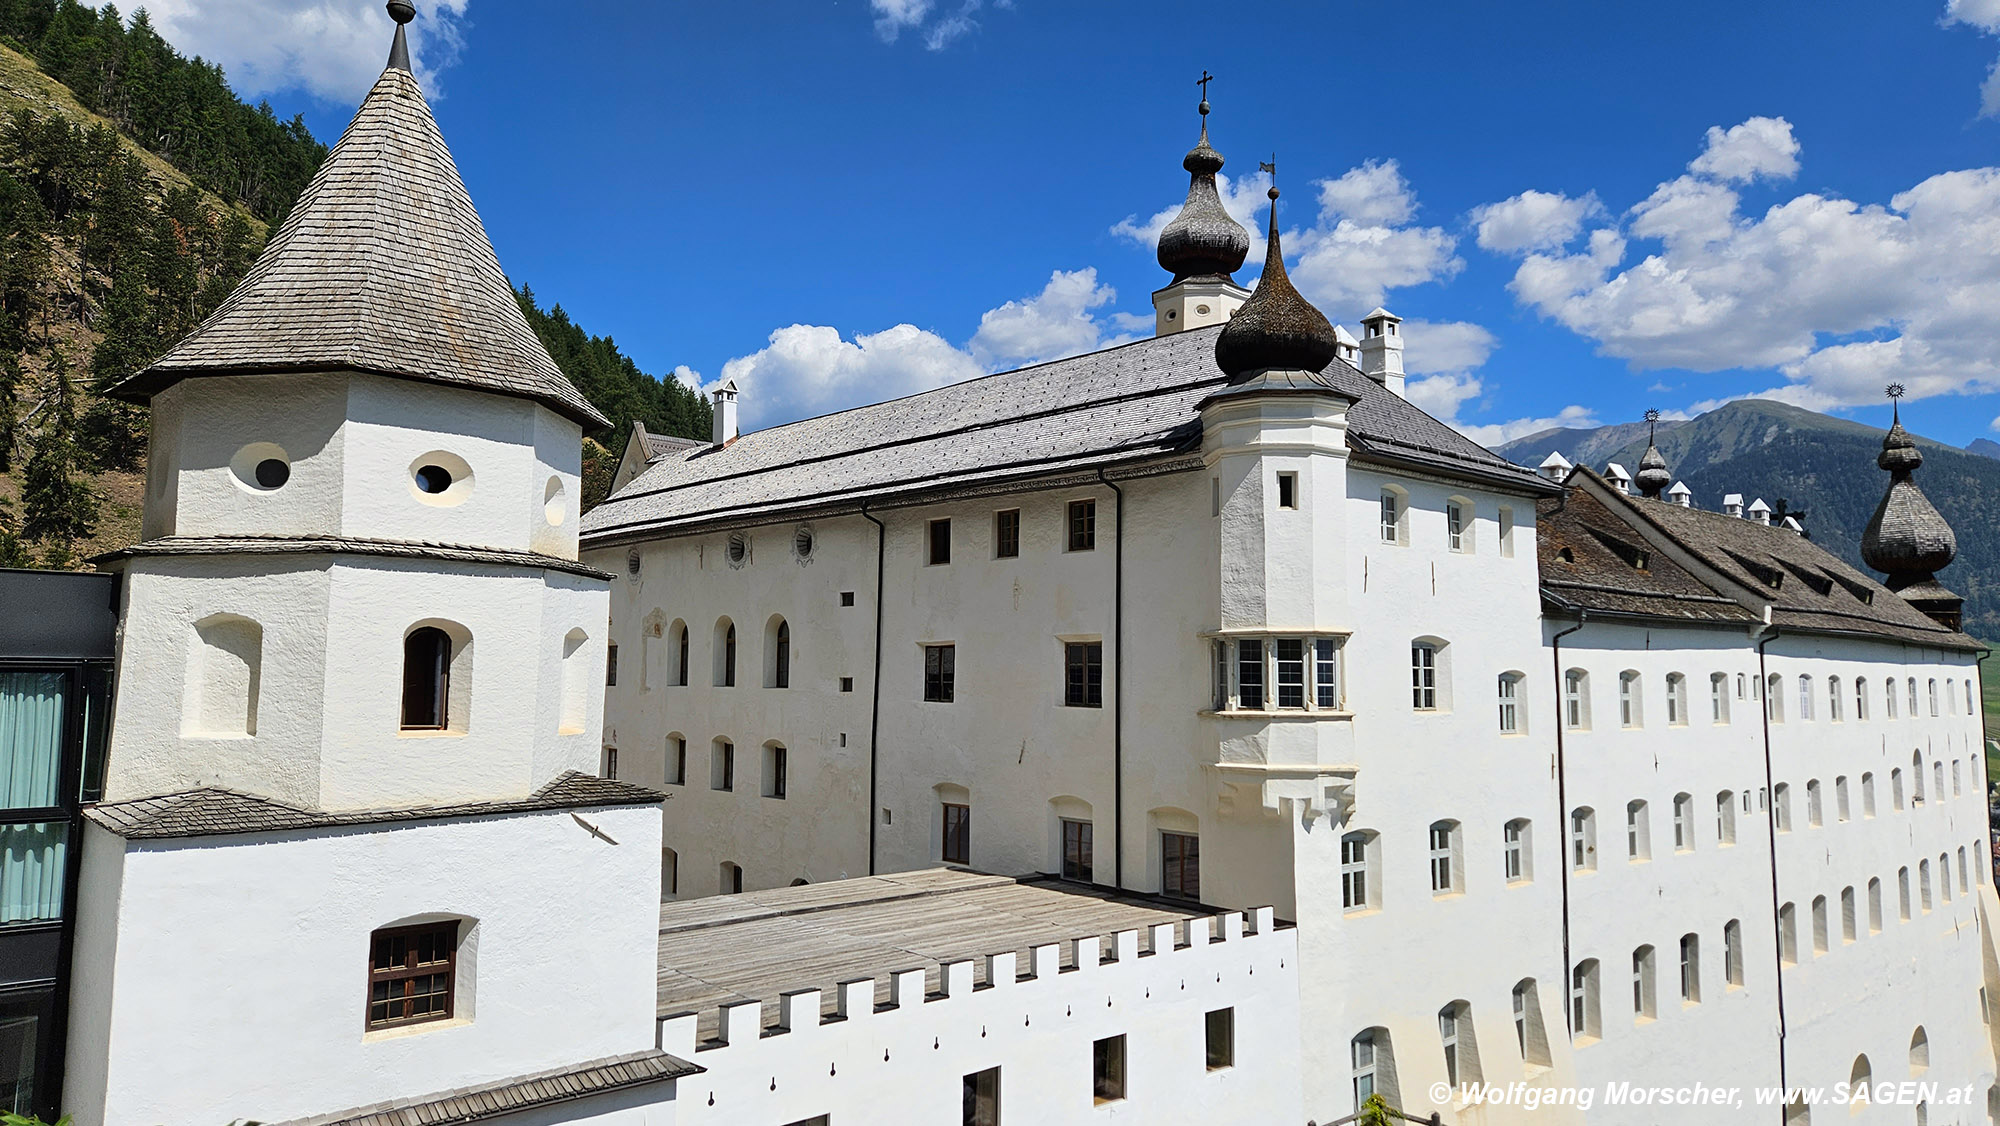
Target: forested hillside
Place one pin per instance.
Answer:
(134, 194)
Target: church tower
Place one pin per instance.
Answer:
(358, 584)
(1202, 248)
(1907, 539)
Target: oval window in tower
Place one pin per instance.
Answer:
(440, 479)
(261, 467)
(554, 508)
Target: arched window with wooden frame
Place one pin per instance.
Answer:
(426, 679)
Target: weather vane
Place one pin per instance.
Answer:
(1894, 390)
(1895, 393)
(1652, 416)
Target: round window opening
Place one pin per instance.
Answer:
(1202, 309)
(739, 547)
(433, 479)
(272, 473)
(802, 542)
(1171, 314)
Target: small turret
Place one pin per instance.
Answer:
(722, 423)
(1382, 348)
(1202, 247)
(1907, 539)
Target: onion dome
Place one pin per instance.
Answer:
(1907, 539)
(1276, 329)
(1653, 477)
(1203, 241)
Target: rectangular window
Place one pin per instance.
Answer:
(847, 598)
(940, 542)
(1007, 533)
(1423, 677)
(1107, 1069)
(847, 684)
(611, 665)
(1076, 858)
(940, 662)
(1326, 673)
(1221, 675)
(1290, 654)
(956, 847)
(1506, 533)
(677, 761)
(1180, 865)
(774, 772)
(610, 764)
(410, 974)
(33, 859)
(1250, 675)
(982, 1098)
(1510, 705)
(1354, 871)
(1441, 858)
(1511, 850)
(1288, 490)
(722, 766)
(1220, 1033)
(1454, 525)
(1391, 522)
(1083, 525)
(1691, 968)
(1083, 674)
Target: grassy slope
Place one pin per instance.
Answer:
(22, 84)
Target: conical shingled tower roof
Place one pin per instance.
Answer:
(382, 267)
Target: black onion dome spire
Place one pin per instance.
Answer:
(1276, 329)
(1653, 477)
(1203, 241)
(1907, 539)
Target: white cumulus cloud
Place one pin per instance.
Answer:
(331, 49)
(1500, 433)
(1532, 221)
(1984, 15)
(1839, 296)
(1054, 323)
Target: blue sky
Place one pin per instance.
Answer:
(1584, 209)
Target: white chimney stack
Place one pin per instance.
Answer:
(723, 428)
(1620, 480)
(1680, 494)
(1382, 349)
(1555, 467)
(1732, 505)
(1760, 512)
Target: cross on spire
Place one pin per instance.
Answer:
(1203, 82)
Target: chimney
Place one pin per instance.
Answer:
(1346, 348)
(1792, 525)
(1760, 512)
(1680, 494)
(723, 430)
(1620, 480)
(1732, 505)
(1382, 349)
(1555, 466)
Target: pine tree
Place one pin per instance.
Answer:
(58, 505)
(10, 409)
(114, 433)
(12, 552)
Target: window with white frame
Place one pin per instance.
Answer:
(1842, 809)
(1359, 859)
(1458, 524)
(1774, 698)
(1718, 698)
(1815, 810)
(1576, 700)
(1805, 697)
(1423, 676)
(1461, 1051)
(1642, 984)
(1683, 823)
(1732, 952)
(1725, 818)
(1677, 700)
(1517, 850)
(1781, 806)
(1889, 697)
(1629, 699)
(1444, 857)
(1373, 1064)
(1583, 840)
(1584, 1013)
(1912, 682)
(1691, 969)
(1292, 673)
(1638, 832)
(1860, 698)
(1847, 914)
(1833, 699)
(1511, 720)
(1393, 514)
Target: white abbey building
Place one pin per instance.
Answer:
(353, 850)
(1561, 785)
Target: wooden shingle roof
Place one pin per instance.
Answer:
(513, 1096)
(382, 267)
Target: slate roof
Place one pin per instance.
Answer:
(347, 545)
(759, 945)
(660, 445)
(1130, 404)
(1760, 568)
(510, 1096)
(383, 267)
(213, 811)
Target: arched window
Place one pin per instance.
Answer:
(1360, 861)
(1518, 850)
(415, 975)
(1718, 698)
(1395, 522)
(1951, 697)
(1576, 700)
(1819, 925)
(1788, 934)
(778, 653)
(1638, 832)
(725, 653)
(1815, 804)
(1446, 873)
(1677, 700)
(1585, 1015)
(731, 878)
(1373, 1064)
(426, 679)
(225, 665)
(1430, 678)
(1683, 822)
(1933, 697)
(1924, 885)
(1461, 1045)
(1732, 952)
(680, 638)
(1529, 1032)
(576, 680)
(1860, 1077)
(1875, 905)
(1917, 777)
(1630, 699)
(1583, 839)
(1513, 710)
(652, 652)
(1833, 698)
(1971, 701)
(1868, 794)
(1920, 1051)
(1691, 968)
(1860, 698)
(1774, 698)
(1889, 696)
(1643, 1007)
(1781, 806)
(1847, 914)
(1805, 697)
(1912, 682)
(1725, 818)
(670, 873)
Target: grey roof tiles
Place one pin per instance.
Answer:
(1126, 404)
(383, 267)
(215, 811)
(347, 545)
(510, 1096)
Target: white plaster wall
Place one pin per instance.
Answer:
(330, 686)
(353, 442)
(233, 975)
(906, 1063)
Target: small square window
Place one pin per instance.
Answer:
(1288, 490)
(1107, 1069)
(412, 974)
(940, 542)
(1083, 525)
(1007, 533)
(847, 684)
(847, 598)
(1221, 1036)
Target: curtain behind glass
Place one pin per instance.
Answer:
(31, 872)
(31, 722)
